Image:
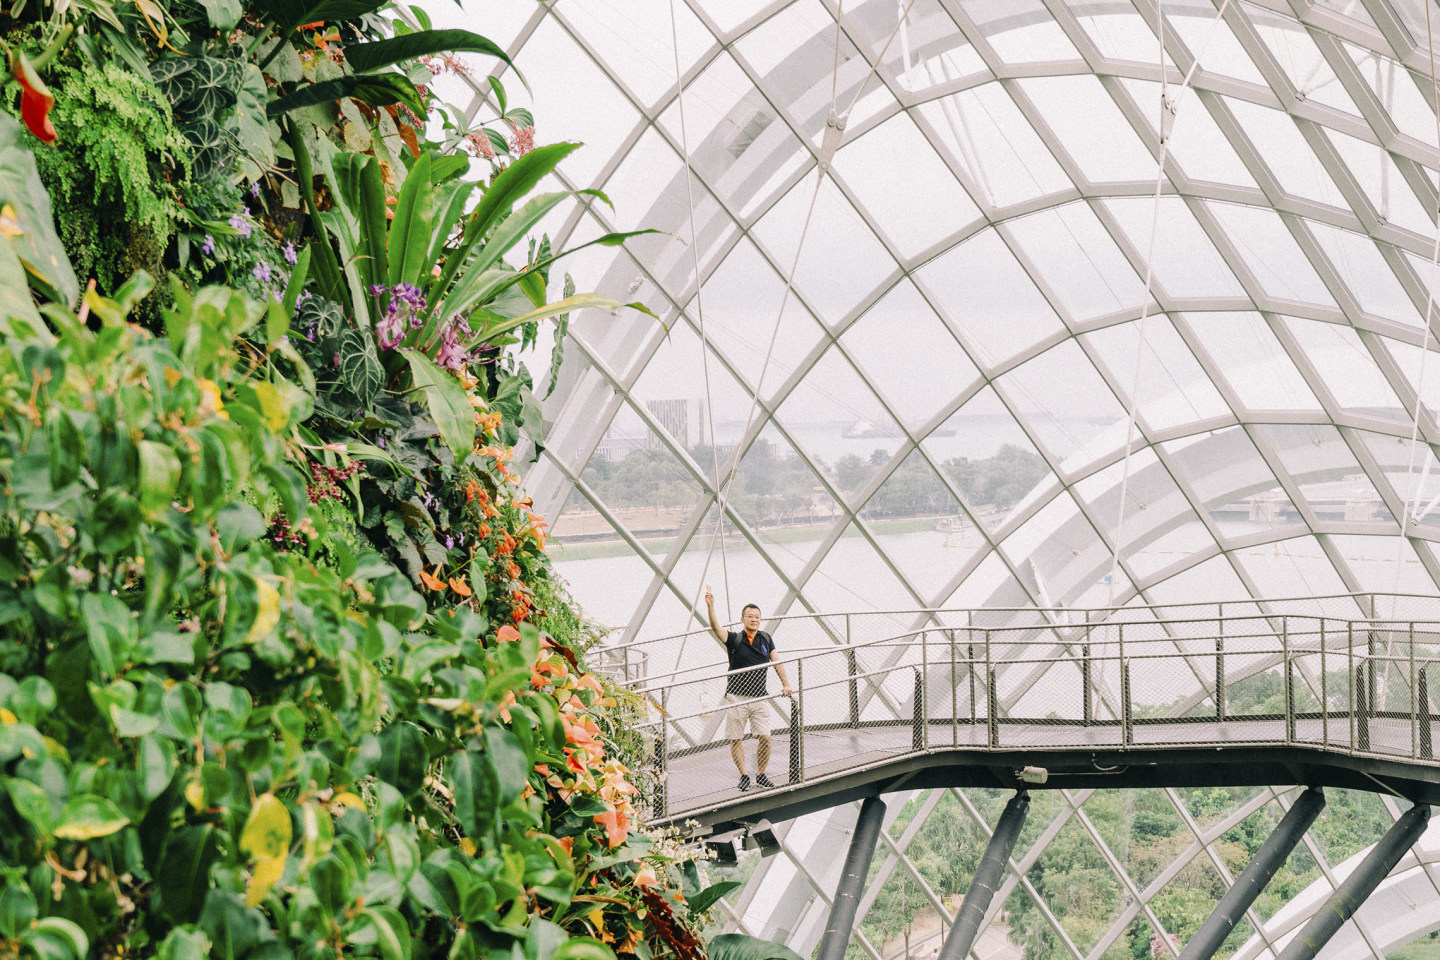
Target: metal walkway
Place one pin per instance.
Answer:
(1186, 696)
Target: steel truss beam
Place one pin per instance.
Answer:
(857, 867)
(988, 876)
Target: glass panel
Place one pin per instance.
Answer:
(1270, 252)
(1347, 369)
(934, 50)
(838, 421)
(1089, 124)
(1087, 272)
(751, 578)
(1215, 579)
(781, 499)
(1413, 476)
(1290, 568)
(635, 40)
(988, 585)
(989, 138)
(1196, 142)
(1407, 358)
(1384, 564)
(904, 349)
(636, 475)
(1295, 51)
(853, 577)
(1290, 159)
(1063, 399)
(1402, 93)
(555, 68)
(990, 298)
(1202, 30)
(1160, 528)
(1081, 890)
(1366, 273)
(842, 261)
(989, 459)
(1119, 31)
(911, 516)
(1334, 485)
(1020, 31)
(1186, 263)
(1257, 367)
(1060, 549)
(1380, 178)
(738, 144)
(1173, 388)
(742, 300)
(1233, 484)
(932, 205)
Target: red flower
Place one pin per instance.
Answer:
(35, 98)
(434, 583)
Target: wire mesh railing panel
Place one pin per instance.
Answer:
(860, 697)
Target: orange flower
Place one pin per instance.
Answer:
(472, 489)
(646, 877)
(483, 530)
(616, 824)
(434, 583)
(514, 569)
(460, 587)
(588, 682)
(568, 843)
(542, 769)
(507, 634)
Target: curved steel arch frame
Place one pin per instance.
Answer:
(1310, 117)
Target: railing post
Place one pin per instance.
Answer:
(992, 700)
(1350, 677)
(924, 688)
(1126, 730)
(917, 715)
(662, 757)
(1324, 692)
(954, 695)
(970, 669)
(1085, 681)
(1289, 680)
(853, 668)
(1362, 710)
(1414, 714)
(1220, 666)
(1427, 750)
(798, 723)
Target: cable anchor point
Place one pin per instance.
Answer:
(834, 131)
(1169, 107)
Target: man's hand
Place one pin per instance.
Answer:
(709, 597)
(786, 692)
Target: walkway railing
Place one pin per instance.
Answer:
(1356, 685)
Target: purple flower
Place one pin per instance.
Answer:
(377, 289)
(255, 189)
(335, 361)
(262, 271)
(291, 257)
(241, 224)
(449, 543)
(380, 442)
(208, 247)
(390, 331)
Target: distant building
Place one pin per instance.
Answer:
(687, 421)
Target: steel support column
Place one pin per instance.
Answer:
(988, 877)
(1360, 884)
(857, 867)
(1257, 873)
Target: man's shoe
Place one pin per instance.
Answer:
(763, 781)
(744, 781)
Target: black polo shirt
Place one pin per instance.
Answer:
(744, 653)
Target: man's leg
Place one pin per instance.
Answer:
(762, 754)
(737, 753)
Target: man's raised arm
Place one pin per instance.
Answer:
(715, 627)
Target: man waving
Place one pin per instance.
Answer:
(745, 691)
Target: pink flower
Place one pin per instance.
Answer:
(523, 141)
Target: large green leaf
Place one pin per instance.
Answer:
(360, 366)
(410, 230)
(580, 301)
(509, 186)
(87, 816)
(374, 89)
(38, 247)
(373, 213)
(364, 57)
(737, 946)
(447, 402)
(291, 13)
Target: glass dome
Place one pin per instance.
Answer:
(929, 399)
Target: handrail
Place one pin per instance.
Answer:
(1067, 611)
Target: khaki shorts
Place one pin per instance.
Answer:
(742, 710)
